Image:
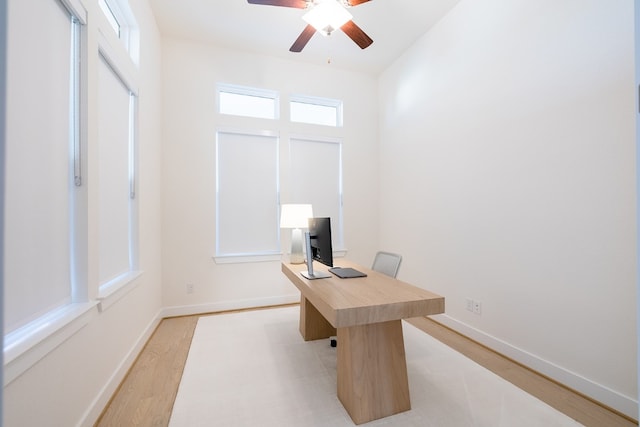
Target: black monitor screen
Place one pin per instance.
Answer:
(320, 239)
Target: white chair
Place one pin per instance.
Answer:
(387, 263)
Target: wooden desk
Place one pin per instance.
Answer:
(365, 313)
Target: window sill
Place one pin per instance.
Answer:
(239, 259)
(117, 288)
(339, 253)
(24, 347)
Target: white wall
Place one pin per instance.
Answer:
(3, 57)
(190, 74)
(71, 384)
(508, 177)
(637, 50)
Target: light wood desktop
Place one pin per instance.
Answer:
(365, 313)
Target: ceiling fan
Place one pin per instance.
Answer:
(324, 16)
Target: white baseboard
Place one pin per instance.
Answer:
(100, 402)
(188, 310)
(623, 404)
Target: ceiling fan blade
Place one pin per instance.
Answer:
(298, 4)
(356, 34)
(357, 2)
(303, 39)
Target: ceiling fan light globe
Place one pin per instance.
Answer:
(327, 16)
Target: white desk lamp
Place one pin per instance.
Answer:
(296, 217)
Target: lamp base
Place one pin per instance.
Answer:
(296, 259)
(296, 247)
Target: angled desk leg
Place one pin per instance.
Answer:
(372, 371)
(313, 326)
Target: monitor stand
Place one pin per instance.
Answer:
(310, 274)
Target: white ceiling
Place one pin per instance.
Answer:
(392, 24)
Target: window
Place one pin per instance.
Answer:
(248, 102)
(121, 20)
(42, 130)
(247, 188)
(111, 16)
(317, 111)
(116, 173)
(248, 170)
(45, 291)
(316, 164)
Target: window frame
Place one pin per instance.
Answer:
(337, 227)
(127, 31)
(112, 290)
(248, 92)
(336, 104)
(285, 125)
(24, 346)
(221, 257)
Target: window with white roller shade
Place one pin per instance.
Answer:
(316, 178)
(116, 139)
(247, 188)
(42, 93)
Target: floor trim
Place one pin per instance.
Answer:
(597, 392)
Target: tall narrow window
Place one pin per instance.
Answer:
(116, 198)
(42, 94)
(247, 194)
(316, 164)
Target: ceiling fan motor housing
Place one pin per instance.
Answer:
(324, 16)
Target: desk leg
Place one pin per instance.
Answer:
(372, 371)
(313, 326)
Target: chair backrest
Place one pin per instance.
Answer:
(387, 263)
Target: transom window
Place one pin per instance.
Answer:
(121, 20)
(316, 111)
(248, 102)
(111, 16)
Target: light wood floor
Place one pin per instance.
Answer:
(146, 396)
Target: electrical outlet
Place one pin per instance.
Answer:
(477, 307)
(190, 288)
(469, 304)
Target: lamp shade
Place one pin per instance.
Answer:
(295, 216)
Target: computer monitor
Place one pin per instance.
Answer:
(318, 241)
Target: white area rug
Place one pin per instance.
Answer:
(254, 369)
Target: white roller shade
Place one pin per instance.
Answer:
(247, 194)
(38, 168)
(316, 178)
(114, 175)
